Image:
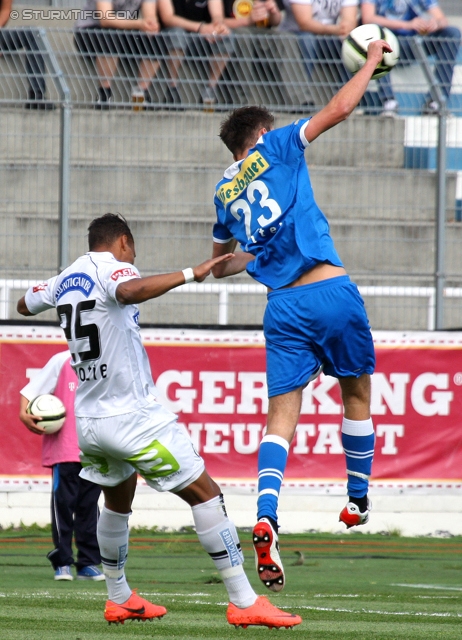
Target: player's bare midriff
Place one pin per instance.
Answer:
(322, 271)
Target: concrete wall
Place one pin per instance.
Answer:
(408, 510)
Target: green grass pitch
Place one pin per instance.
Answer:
(348, 587)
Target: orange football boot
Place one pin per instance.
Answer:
(135, 608)
(262, 614)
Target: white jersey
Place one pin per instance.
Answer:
(46, 379)
(324, 11)
(103, 335)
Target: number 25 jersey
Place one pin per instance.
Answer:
(266, 203)
(112, 366)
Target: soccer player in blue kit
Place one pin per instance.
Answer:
(315, 317)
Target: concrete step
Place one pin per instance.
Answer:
(404, 196)
(185, 193)
(405, 249)
(380, 249)
(124, 138)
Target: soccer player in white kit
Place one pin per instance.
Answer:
(123, 430)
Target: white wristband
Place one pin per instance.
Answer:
(188, 275)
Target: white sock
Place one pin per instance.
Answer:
(112, 533)
(218, 536)
(240, 592)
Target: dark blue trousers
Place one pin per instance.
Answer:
(74, 512)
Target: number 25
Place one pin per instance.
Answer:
(89, 331)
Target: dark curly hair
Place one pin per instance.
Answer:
(240, 129)
(103, 231)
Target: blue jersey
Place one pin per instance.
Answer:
(402, 9)
(405, 10)
(266, 203)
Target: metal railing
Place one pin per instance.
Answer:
(264, 66)
(223, 292)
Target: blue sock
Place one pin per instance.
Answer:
(358, 443)
(272, 459)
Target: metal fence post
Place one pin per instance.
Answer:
(440, 240)
(64, 146)
(440, 263)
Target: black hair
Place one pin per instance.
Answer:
(240, 129)
(103, 231)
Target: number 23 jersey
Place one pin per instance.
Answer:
(266, 203)
(103, 335)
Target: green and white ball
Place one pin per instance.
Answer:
(355, 45)
(50, 409)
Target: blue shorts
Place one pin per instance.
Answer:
(323, 323)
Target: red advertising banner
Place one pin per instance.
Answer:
(215, 382)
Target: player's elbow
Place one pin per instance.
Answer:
(343, 108)
(22, 309)
(125, 294)
(218, 271)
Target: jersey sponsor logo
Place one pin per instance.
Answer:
(40, 287)
(75, 282)
(123, 273)
(251, 168)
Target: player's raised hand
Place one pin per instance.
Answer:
(203, 270)
(376, 49)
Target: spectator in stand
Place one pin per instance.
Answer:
(108, 30)
(408, 18)
(197, 27)
(322, 25)
(256, 17)
(246, 13)
(17, 39)
(74, 501)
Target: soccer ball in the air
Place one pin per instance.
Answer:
(50, 409)
(354, 49)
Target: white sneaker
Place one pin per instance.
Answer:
(390, 109)
(63, 573)
(431, 108)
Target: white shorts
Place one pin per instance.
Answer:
(149, 441)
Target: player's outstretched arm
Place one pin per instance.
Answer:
(142, 289)
(234, 265)
(348, 97)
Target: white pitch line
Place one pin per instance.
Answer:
(336, 595)
(436, 597)
(382, 613)
(94, 596)
(427, 586)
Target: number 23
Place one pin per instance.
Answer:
(243, 206)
